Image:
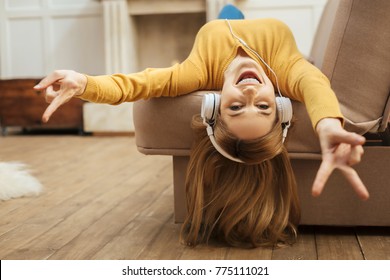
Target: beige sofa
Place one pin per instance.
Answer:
(352, 47)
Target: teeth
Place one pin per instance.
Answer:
(249, 80)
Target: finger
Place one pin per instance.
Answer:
(323, 173)
(49, 80)
(355, 155)
(349, 138)
(54, 105)
(356, 183)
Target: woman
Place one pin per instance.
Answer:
(240, 185)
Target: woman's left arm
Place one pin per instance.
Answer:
(302, 81)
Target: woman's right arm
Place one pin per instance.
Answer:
(61, 85)
(186, 77)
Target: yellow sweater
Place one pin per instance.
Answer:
(213, 50)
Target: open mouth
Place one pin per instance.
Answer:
(248, 77)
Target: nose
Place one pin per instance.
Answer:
(250, 92)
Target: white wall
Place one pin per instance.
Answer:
(38, 36)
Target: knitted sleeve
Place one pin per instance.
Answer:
(152, 82)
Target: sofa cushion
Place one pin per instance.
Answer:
(357, 62)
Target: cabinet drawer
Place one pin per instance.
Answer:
(20, 105)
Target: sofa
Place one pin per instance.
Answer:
(352, 48)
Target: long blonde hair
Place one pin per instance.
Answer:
(246, 205)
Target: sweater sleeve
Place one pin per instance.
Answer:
(114, 89)
(300, 80)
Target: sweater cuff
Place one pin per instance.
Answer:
(323, 113)
(90, 89)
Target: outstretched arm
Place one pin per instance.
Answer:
(302, 81)
(61, 85)
(340, 150)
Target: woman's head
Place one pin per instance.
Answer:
(248, 111)
(248, 104)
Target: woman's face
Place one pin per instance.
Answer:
(247, 99)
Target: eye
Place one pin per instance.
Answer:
(235, 107)
(263, 106)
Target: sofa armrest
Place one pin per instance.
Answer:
(163, 125)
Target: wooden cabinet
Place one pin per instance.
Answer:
(22, 106)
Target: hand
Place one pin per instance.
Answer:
(59, 87)
(341, 150)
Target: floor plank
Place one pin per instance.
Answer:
(151, 209)
(261, 253)
(211, 251)
(337, 243)
(375, 242)
(165, 245)
(303, 249)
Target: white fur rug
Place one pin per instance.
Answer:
(16, 181)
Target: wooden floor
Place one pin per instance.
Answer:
(104, 200)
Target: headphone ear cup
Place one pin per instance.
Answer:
(210, 107)
(285, 111)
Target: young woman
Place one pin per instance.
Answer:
(240, 185)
